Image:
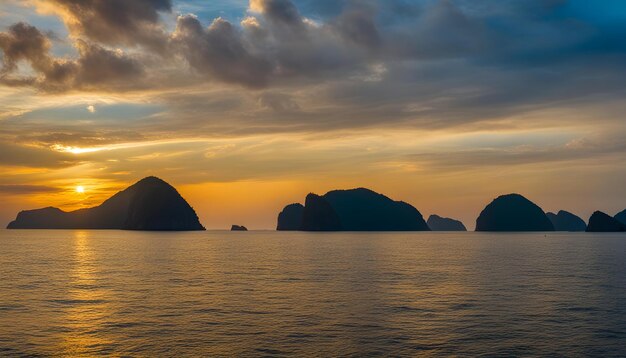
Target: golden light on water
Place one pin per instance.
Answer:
(89, 301)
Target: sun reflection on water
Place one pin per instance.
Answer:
(87, 303)
(117, 293)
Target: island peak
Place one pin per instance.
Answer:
(602, 222)
(150, 204)
(358, 209)
(438, 223)
(513, 212)
(566, 221)
(621, 217)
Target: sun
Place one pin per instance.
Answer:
(80, 189)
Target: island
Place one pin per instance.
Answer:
(513, 212)
(602, 222)
(438, 223)
(358, 209)
(151, 204)
(238, 228)
(566, 221)
(290, 219)
(621, 217)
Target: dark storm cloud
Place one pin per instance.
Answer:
(96, 65)
(442, 31)
(298, 47)
(431, 63)
(220, 51)
(278, 11)
(276, 44)
(358, 24)
(115, 22)
(24, 42)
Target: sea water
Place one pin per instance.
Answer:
(271, 293)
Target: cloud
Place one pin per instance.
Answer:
(26, 189)
(113, 22)
(220, 52)
(275, 44)
(278, 11)
(345, 64)
(278, 102)
(575, 151)
(77, 138)
(24, 42)
(442, 30)
(96, 66)
(358, 24)
(19, 155)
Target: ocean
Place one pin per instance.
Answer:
(265, 293)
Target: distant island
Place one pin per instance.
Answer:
(438, 223)
(601, 222)
(365, 210)
(513, 212)
(150, 204)
(290, 219)
(621, 217)
(566, 221)
(351, 210)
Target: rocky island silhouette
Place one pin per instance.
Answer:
(151, 204)
(621, 217)
(438, 223)
(513, 212)
(351, 210)
(290, 219)
(566, 221)
(602, 222)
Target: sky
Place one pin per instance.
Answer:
(247, 106)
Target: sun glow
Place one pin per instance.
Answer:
(75, 150)
(81, 150)
(80, 189)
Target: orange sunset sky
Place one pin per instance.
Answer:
(248, 106)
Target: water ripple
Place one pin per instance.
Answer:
(85, 293)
